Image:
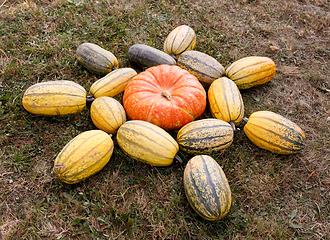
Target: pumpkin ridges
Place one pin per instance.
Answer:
(187, 101)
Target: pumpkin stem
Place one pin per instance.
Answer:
(167, 94)
(245, 119)
(178, 159)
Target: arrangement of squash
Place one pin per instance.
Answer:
(169, 94)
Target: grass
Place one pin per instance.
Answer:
(274, 197)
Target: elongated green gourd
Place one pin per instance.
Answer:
(96, 59)
(145, 56)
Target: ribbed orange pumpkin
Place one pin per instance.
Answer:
(165, 95)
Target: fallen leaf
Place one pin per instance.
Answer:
(273, 48)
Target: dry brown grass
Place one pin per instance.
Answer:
(274, 197)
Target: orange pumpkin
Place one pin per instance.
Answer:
(165, 95)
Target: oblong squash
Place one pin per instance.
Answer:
(226, 101)
(83, 156)
(251, 71)
(54, 98)
(145, 56)
(181, 39)
(201, 65)
(96, 59)
(147, 143)
(107, 114)
(113, 83)
(205, 136)
(207, 188)
(274, 133)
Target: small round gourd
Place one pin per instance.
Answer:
(107, 114)
(83, 156)
(206, 188)
(275, 133)
(181, 39)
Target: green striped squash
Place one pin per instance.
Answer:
(113, 83)
(145, 56)
(107, 114)
(274, 133)
(147, 143)
(226, 101)
(205, 136)
(54, 98)
(251, 71)
(207, 188)
(96, 59)
(83, 156)
(181, 39)
(201, 65)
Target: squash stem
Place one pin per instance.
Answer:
(178, 159)
(89, 100)
(232, 124)
(245, 119)
(174, 56)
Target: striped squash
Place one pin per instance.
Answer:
(107, 114)
(113, 83)
(147, 143)
(83, 156)
(96, 59)
(225, 101)
(274, 133)
(251, 71)
(205, 136)
(181, 39)
(145, 56)
(203, 66)
(54, 98)
(207, 188)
